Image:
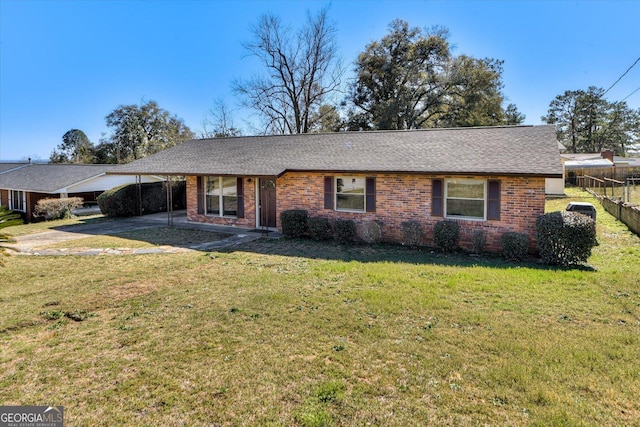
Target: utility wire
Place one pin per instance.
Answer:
(623, 74)
(630, 94)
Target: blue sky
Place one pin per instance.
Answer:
(67, 64)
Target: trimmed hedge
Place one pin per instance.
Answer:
(446, 235)
(125, 199)
(344, 231)
(56, 208)
(319, 228)
(294, 222)
(370, 231)
(565, 238)
(478, 241)
(515, 246)
(411, 233)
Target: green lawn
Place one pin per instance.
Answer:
(310, 334)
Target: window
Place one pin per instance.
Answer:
(350, 194)
(221, 196)
(17, 200)
(465, 198)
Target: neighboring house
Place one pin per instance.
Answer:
(386, 176)
(599, 165)
(555, 186)
(22, 185)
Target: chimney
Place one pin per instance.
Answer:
(607, 154)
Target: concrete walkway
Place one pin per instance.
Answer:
(30, 244)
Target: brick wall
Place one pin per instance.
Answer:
(249, 195)
(399, 198)
(402, 198)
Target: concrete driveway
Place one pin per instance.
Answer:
(29, 244)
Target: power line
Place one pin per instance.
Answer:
(623, 74)
(630, 94)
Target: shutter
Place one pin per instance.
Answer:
(370, 192)
(436, 197)
(493, 201)
(200, 194)
(240, 195)
(328, 192)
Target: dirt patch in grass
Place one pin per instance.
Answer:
(173, 236)
(143, 238)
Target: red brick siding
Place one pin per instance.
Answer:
(399, 198)
(249, 196)
(402, 198)
(4, 198)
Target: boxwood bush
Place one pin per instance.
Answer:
(125, 199)
(344, 231)
(515, 246)
(565, 238)
(478, 241)
(446, 235)
(319, 228)
(411, 233)
(294, 222)
(56, 208)
(370, 231)
(120, 201)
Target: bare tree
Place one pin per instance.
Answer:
(302, 71)
(218, 122)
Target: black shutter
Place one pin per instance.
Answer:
(328, 192)
(200, 194)
(436, 197)
(493, 201)
(240, 195)
(370, 195)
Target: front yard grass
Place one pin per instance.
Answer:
(311, 334)
(38, 227)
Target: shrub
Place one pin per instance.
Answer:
(126, 200)
(56, 208)
(411, 233)
(565, 238)
(478, 241)
(294, 222)
(120, 201)
(344, 231)
(446, 235)
(319, 228)
(515, 246)
(371, 231)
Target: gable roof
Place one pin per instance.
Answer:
(50, 178)
(505, 150)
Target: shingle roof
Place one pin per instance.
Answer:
(7, 166)
(49, 178)
(511, 150)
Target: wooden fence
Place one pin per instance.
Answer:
(615, 197)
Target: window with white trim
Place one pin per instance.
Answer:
(221, 196)
(350, 193)
(17, 200)
(465, 198)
